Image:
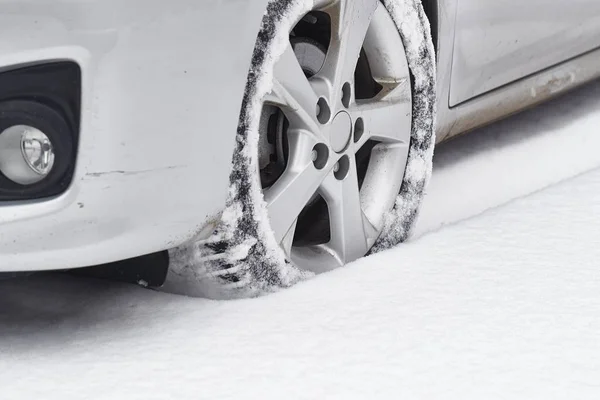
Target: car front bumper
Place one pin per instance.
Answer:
(162, 85)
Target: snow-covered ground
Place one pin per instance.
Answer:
(498, 296)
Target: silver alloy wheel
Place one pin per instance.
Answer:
(324, 125)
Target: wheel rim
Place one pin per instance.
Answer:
(332, 159)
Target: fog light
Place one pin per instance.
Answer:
(37, 150)
(26, 154)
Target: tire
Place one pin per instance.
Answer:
(247, 255)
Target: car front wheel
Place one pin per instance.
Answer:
(334, 144)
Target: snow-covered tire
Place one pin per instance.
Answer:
(242, 258)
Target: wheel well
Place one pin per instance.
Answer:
(431, 10)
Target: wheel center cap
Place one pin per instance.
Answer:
(341, 130)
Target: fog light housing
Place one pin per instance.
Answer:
(40, 108)
(26, 154)
(37, 150)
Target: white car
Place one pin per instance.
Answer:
(119, 121)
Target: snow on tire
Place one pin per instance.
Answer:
(242, 257)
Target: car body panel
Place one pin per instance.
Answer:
(523, 92)
(160, 106)
(498, 42)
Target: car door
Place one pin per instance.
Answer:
(499, 41)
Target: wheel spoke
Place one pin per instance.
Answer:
(350, 22)
(383, 118)
(294, 189)
(351, 232)
(288, 239)
(293, 93)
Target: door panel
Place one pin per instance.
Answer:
(500, 41)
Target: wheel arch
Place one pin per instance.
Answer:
(432, 12)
